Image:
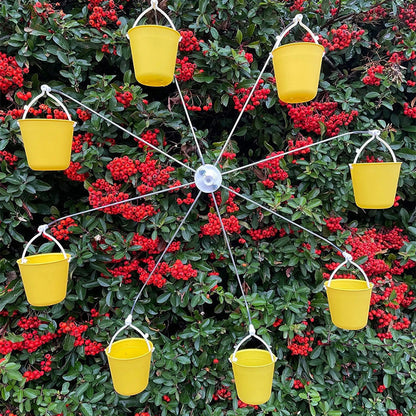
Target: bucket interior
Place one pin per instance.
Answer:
(252, 358)
(46, 258)
(128, 349)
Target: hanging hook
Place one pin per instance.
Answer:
(347, 257)
(154, 4)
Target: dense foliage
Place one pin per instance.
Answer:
(52, 360)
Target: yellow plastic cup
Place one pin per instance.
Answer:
(349, 302)
(154, 49)
(375, 184)
(253, 374)
(45, 278)
(297, 67)
(129, 361)
(47, 142)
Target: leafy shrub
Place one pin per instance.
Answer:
(52, 358)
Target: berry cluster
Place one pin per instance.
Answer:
(11, 75)
(224, 393)
(268, 232)
(125, 98)
(182, 271)
(103, 12)
(190, 103)
(121, 168)
(150, 137)
(273, 170)
(79, 140)
(408, 16)
(338, 39)
(300, 143)
(61, 230)
(297, 5)
(185, 69)
(187, 201)
(45, 367)
(297, 384)
(299, 345)
(409, 110)
(381, 388)
(72, 172)
(8, 157)
(152, 174)
(371, 78)
(189, 42)
(83, 115)
(213, 227)
(334, 224)
(43, 10)
(394, 412)
(24, 96)
(241, 96)
(247, 55)
(309, 117)
(32, 322)
(375, 13)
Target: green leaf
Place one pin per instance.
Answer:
(86, 409)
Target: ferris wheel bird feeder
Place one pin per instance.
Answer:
(47, 142)
(154, 49)
(375, 184)
(44, 276)
(297, 66)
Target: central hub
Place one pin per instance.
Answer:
(208, 178)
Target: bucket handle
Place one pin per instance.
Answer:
(375, 135)
(46, 90)
(348, 260)
(153, 6)
(297, 20)
(128, 324)
(252, 334)
(42, 231)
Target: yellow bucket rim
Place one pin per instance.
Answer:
(132, 358)
(59, 120)
(253, 366)
(154, 26)
(376, 163)
(351, 281)
(313, 44)
(19, 261)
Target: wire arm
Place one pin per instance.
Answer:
(286, 219)
(242, 111)
(280, 155)
(120, 202)
(125, 130)
(189, 121)
(164, 252)
(227, 242)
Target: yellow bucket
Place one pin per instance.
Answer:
(375, 184)
(45, 277)
(47, 142)
(297, 67)
(154, 49)
(253, 374)
(129, 361)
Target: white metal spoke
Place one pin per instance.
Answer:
(121, 202)
(164, 252)
(227, 242)
(283, 218)
(190, 122)
(125, 130)
(292, 151)
(242, 111)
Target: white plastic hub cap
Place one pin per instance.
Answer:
(208, 178)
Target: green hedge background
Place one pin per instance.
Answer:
(52, 359)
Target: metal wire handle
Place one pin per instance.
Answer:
(297, 20)
(375, 136)
(128, 324)
(252, 334)
(42, 231)
(153, 6)
(46, 90)
(348, 261)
